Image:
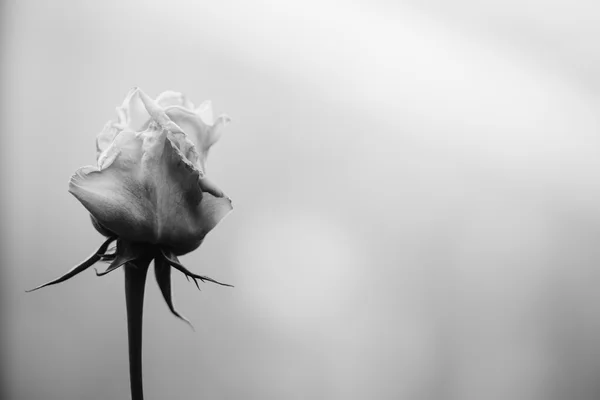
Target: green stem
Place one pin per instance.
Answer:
(135, 280)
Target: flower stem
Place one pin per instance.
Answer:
(135, 280)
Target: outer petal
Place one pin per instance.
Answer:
(145, 190)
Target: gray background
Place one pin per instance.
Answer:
(416, 189)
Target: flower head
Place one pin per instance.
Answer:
(149, 191)
(150, 184)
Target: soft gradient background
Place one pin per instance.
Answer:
(416, 189)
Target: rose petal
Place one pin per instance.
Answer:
(205, 112)
(105, 138)
(132, 113)
(202, 135)
(147, 191)
(171, 98)
(217, 129)
(158, 114)
(176, 134)
(189, 121)
(208, 186)
(212, 210)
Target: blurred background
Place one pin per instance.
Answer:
(416, 189)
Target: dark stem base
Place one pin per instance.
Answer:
(135, 282)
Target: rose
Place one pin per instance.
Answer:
(149, 193)
(150, 185)
(149, 190)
